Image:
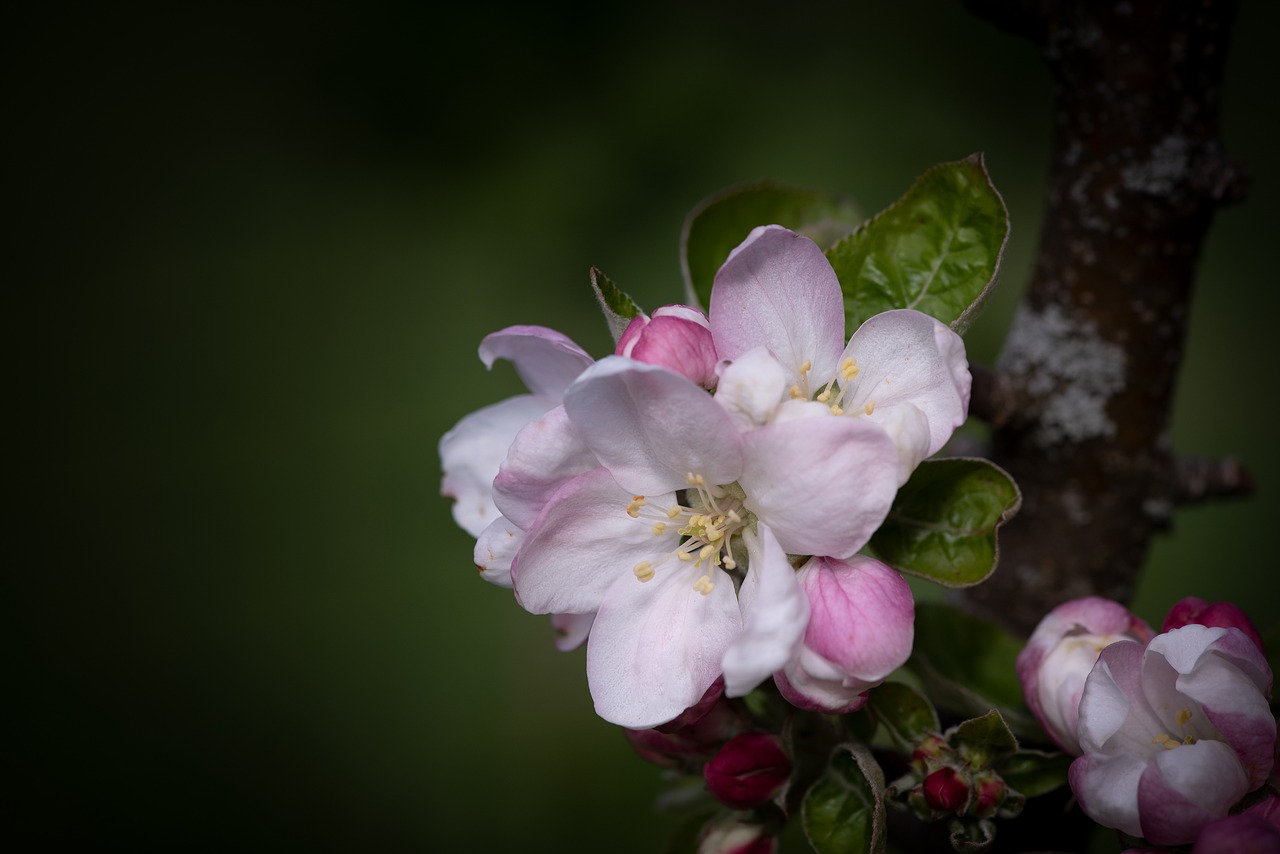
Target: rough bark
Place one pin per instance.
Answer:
(1081, 397)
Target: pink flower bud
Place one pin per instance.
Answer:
(748, 771)
(930, 747)
(1195, 611)
(678, 338)
(861, 627)
(1061, 652)
(691, 738)
(946, 791)
(990, 793)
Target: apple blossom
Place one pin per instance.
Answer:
(666, 515)
(1052, 667)
(1174, 733)
(1194, 610)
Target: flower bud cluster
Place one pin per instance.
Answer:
(943, 782)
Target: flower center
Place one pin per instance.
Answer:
(831, 394)
(708, 527)
(1185, 728)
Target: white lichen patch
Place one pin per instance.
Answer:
(1160, 174)
(1073, 371)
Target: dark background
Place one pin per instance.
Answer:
(253, 252)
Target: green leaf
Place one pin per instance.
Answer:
(968, 665)
(843, 812)
(983, 741)
(904, 712)
(718, 224)
(943, 522)
(1033, 772)
(618, 308)
(937, 249)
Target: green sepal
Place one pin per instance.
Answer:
(1034, 772)
(972, 836)
(617, 306)
(906, 714)
(944, 520)
(983, 741)
(937, 249)
(843, 812)
(718, 224)
(968, 665)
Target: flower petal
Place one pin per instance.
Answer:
(546, 360)
(822, 484)
(581, 543)
(651, 427)
(862, 616)
(543, 456)
(571, 629)
(905, 356)
(775, 613)
(751, 387)
(1185, 788)
(472, 451)
(1107, 789)
(656, 647)
(495, 548)
(777, 289)
(813, 683)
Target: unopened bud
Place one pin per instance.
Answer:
(989, 794)
(676, 337)
(747, 771)
(1196, 611)
(946, 791)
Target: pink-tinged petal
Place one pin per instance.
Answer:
(862, 616)
(809, 682)
(656, 647)
(778, 290)
(1224, 672)
(823, 485)
(1059, 655)
(751, 387)
(1238, 834)
(472, 451)
(1112, 690)
(908, 427)
(651, 427)
(775, 613)
(1268, 810)
(544, 455)
(678, 338)
(905, 356)
(546, 360)
(495, 548)
(571, 629)
(1107, 789)
(1195, 611)
(581, 543)
(1185, 788)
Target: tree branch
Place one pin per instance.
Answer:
(1081, 399)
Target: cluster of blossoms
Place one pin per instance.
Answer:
(1173, 732)
(692, 506)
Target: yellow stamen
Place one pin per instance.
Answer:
(870, 407)
(795, 392)
(644, 571)
(836, 410)
(659, 528)
(806, 366)
(684, 556)
(825, 396)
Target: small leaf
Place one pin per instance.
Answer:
(937, 249)
(617, 306)
(968, 665)
(903, 711)
(943, 522)
(1033, 772)
(843, 812)
(984, 740)
(718, 224)
(972, 837)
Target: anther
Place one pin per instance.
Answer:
(825, 396)
(644, 571)
(795, 392)
(706, 552)
(870, 407)
(684, 556)
(1184, 716)
(659, 528)
(836, 410)
(703, 585)
(806, 366)
(673, 512)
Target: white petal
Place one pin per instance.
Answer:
(778, 290)
(905, 356)
(656, 647)
(571, 630)
(495, 547)
(751, 387)
(546, 360)
(544, 455)
(471, 452)
(651, 427)
(775, 613)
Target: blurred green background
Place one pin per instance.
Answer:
(257, 247)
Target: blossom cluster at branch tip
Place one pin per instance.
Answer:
(692, 535)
